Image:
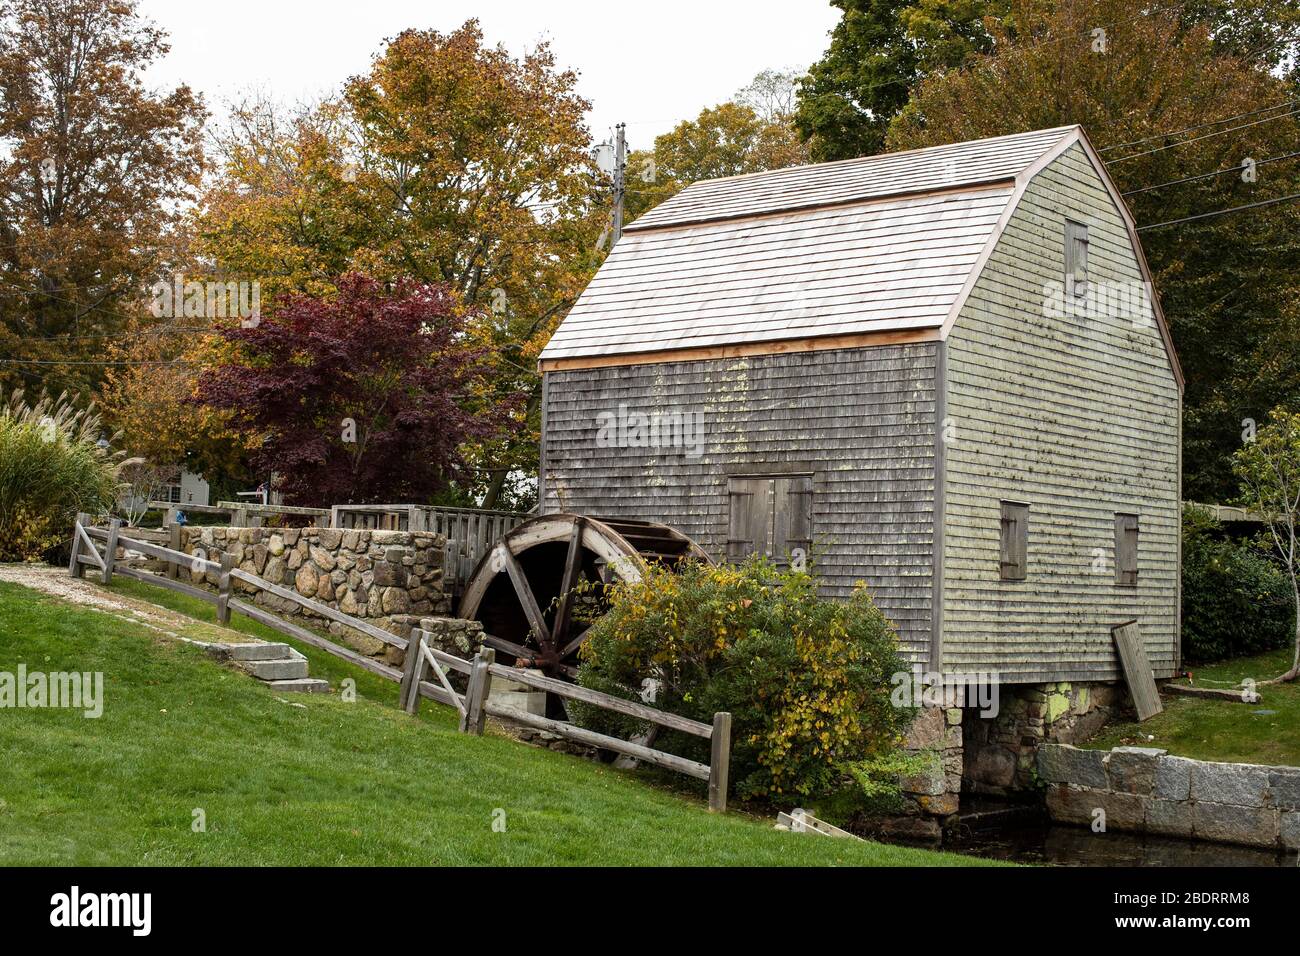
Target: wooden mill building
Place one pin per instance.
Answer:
(938, 370)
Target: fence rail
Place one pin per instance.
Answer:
(422, 661)
(477, 704)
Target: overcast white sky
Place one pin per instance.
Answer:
(649, 64)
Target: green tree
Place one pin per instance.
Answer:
(879, 51)
(1228, 284)
(1269, 470)
(882, 50)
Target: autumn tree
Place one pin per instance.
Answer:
(751, 133)
(1147, 89)
(92, 168)
(148, 397)
(882, 50)
(283, 210)
(450, 161)
(368, 395)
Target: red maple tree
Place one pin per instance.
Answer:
(366, 396)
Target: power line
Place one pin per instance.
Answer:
(115, 336)
(1188, 129)
(97, 364)
(1217, 172)
(1194, 139)
(1221, 212)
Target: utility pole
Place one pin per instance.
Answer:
(620, 162)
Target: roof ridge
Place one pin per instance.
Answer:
(875, 156)
(880, 176)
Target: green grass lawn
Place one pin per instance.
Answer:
(1266, 732)
(326, 783)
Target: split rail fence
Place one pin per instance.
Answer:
(422, 661)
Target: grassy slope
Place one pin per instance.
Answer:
(1220, 729)
(331, 783)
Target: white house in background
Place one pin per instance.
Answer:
(190, 489)
(181, 487)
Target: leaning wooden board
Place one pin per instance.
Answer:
(1137, 669)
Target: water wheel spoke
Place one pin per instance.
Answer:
(572, 567)
(532, 586)
(572, 646)
(510, 647)
(540, 632)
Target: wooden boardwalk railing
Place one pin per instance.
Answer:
(422, 661)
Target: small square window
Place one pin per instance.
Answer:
(1126, 550)
(1076, 259)
(1015, 541)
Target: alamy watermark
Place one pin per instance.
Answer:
(133, 911)
(38, 690)
(921, 688)
(626, 428)
(1129, 301)
(182, 298)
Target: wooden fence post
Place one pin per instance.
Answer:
(476, 695)
(413, 671)
(223, 588)
(74, 566)
(172, 569)
(719, 762)
(110, 552)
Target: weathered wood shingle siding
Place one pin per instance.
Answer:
(1078, 417)
(860, 420)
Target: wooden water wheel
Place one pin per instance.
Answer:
(522, 590)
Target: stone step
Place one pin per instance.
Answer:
(305, 685)
(259, 652)
(286, 668)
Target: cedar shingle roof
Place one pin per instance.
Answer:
(884, 243)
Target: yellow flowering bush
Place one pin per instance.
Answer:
(806, 680)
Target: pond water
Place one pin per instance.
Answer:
(1026, 836)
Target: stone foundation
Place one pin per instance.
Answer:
(1000, 751)
(971, 753)
(1146, 790)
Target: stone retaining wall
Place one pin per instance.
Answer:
(1147, 790)
(391, 578)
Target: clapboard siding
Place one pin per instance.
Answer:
(861, 420)
(1079, 417)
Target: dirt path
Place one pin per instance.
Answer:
(57, 583)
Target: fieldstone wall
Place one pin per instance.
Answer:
(451, 635)
(1147, 790)
(391, 578)
(1001, 751)
(935, 794)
